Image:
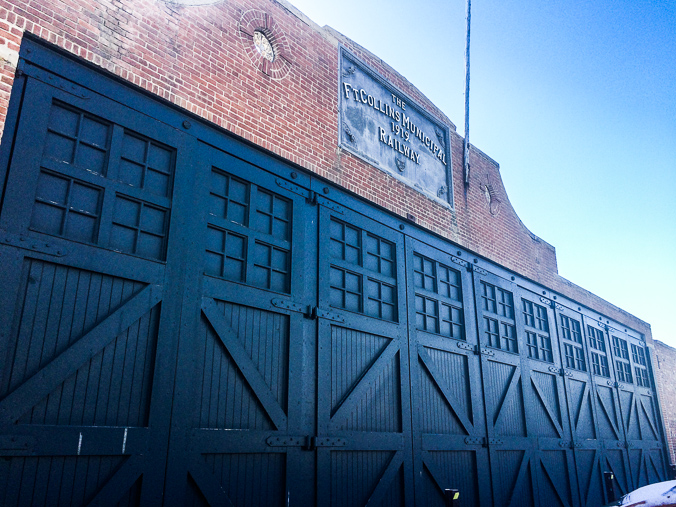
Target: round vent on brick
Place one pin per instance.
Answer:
(265, 44)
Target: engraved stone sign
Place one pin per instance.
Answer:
(379, 124)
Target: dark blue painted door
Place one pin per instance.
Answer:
(608, 411)
(448, 414)
(363, 388)
(582, 405)
(89, 264)
(240, 422)
(638, 409)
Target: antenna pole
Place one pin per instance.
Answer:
(466, 145)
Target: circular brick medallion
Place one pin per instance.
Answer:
(265, 44)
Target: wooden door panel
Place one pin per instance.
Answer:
(548, 418)
(546, 411)
(512, 474)
(590, 476)
(583, 420)
(555, 481)
(647, 417)
(459, 468)
(505, 408)
(506, 389)
(66, 479)
(582, 405)
(365, 382)
(615, 461)
(448, 414)
(637, 411)
(363, 393)
(87, 227)
(241, 416)
(242, 366)
(446, 397)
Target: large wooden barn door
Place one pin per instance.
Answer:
(581, 402)
(512, 453)
(363, 439)
(90, 282)
(608, 410)
(638, 409)
(448, 415)
(547, 413)
(245, 383)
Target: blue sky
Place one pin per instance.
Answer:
(576, 101)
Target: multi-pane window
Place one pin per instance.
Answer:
(640, 365)
(104, 184)
(138, 227)
(229, 198)
(621, 353)
(596, 340)
(537, 331)
(599, 356)
(572, 343)
(363, 270)
(600, 365)
(638, 355)
(498, 318)
(249, 233)
(145, 164)
(67, 207)
(642, 377)
(438, 298)
(77, 138)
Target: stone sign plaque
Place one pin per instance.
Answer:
(381, 125)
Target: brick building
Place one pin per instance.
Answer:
(665, 376)
(242, 265)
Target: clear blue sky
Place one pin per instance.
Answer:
(576, 101)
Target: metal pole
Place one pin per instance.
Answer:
(466, 146)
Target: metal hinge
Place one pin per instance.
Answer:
(467, 346)
(287, 441)
(285, 304)
(475, 441)
(303, 192)
(51, 79)
(330, 442)
(310, 196)
(25, 242)
(494, 441)
(307, 442)
(459, 262)
(330, 204)
(476, 269)
(314, 312)
(561, 371)
(485, 351)
(309, 311)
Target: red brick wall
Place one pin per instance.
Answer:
(194, 57)
(665, 375)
